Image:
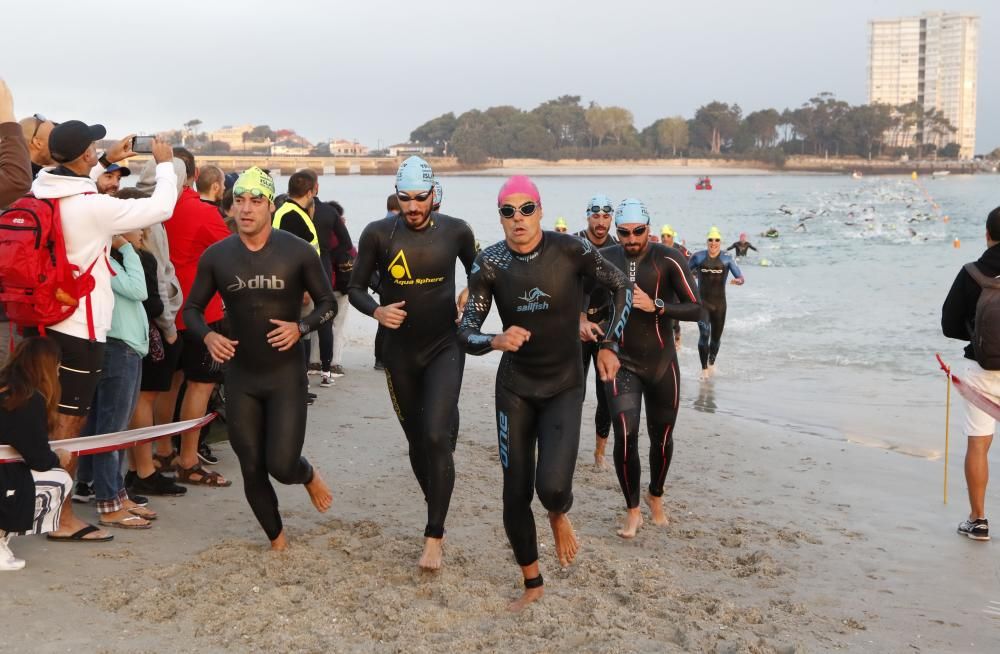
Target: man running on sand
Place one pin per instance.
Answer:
(537, 279)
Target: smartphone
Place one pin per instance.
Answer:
(142, 144)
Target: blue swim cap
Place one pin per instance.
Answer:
(600, 201)
(438, 193)
(631, 211)
(414, 174)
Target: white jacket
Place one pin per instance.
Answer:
(89, 222)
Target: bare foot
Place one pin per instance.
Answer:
(659, 515)
(319, 492)
(279, 544)
(705, 374)
(599, 462)
(433, 554)
(711, 370)
(566, 543)
(530, 595)
(633, 520)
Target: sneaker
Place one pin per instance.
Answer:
(975, 529)
(310, 398)
(378, 365)
(7, 559)
(206, 456)
(138, 500)
(314, 368)
(83, 492)
(337, 371)
(158, 484)
(327, 380)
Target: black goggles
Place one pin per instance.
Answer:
(636, 231)
(526, 209)
(403, 196)
(605, 209)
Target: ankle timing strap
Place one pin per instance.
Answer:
(534, 582)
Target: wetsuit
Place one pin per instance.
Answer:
(265, 388)
(711, 273)
(597, 312)
(742, 248)
(649, 365)
(539, 388)
(423, 363)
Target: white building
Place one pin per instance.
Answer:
(343, 148)
(932, 59)
(409, 149)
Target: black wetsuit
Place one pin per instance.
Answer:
(265, 388)
(539, 388)
(423, 363)
(649, 365)
(597, 312)
(742, 248)
(711, 273)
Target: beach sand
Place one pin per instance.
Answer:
(778, 542)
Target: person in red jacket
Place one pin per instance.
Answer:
(194, 226)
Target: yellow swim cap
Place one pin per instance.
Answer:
(668, 231)
(714, 233)
(561, 222)
(255, 182)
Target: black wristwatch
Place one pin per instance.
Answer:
(303, 328)
(660, 306)
(608, 345)
(103, 160)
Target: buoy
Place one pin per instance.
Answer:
(956, 244)
(913, 174)
(765, 262)
(946, 219)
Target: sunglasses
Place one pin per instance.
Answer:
(255, 193)
(39, 121)
(419, 197)
(526, 209)
(637, 231)
(605, 209)
(715, 240)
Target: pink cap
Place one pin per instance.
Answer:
(743, 236)
(519, 184)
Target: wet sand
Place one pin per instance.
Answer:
(778, 542)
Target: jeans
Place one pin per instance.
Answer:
(114, 401)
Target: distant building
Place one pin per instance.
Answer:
(233, 136)
(290, 149)
(342, 148)
(409, 149)
(932, 59)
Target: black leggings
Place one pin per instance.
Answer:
(602, 418)
(266, 416)
(555, 424)
(425, 398)
(713, 321)
(625, 394)
(325, 335)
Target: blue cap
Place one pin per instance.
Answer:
(438, 193)
(414, 174)
(125, 170)
(631, 211)
(600, 201)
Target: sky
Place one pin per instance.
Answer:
(375, 70)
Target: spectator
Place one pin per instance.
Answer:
(109, 181)
(34, 490)
(91, 220)
(15, 172)
(211, 185)
(342, 253)
(194, 226)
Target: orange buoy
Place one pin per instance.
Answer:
(956, 244)
(946, 219)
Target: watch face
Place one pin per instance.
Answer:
(658, 303)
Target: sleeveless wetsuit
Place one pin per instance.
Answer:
(649, 365)
(423, 362)
(711, 273)
(539, 388)
(265, 388)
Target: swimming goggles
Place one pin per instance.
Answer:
(526, 209)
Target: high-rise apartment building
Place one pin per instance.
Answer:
(933, 60)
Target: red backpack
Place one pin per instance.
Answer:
(38, 285)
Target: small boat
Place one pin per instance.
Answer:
(704, 184)
(940, 173)
(856, 174)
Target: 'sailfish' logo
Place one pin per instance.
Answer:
(534, 301)
(266, 282)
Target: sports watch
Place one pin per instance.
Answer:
(303, 328)
(608, 345)
(660, 306)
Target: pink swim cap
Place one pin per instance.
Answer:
(743, 236)
(519, 184)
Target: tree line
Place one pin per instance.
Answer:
(565, 129)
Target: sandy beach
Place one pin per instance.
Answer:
(778, 542)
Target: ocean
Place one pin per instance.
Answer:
(834, 337)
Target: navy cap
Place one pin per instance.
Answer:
(125, 170)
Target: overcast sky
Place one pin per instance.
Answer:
(374, 69)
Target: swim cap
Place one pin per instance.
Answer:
(714, 233)
(519, 184)
(631, 211)
(600, 201)
(438, 193)
(255, 182)
(668, 231)
(414, 174)
(743, 236)
(561, 222)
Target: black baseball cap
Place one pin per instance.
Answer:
(71, 139)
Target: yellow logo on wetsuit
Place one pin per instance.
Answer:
(399, 268)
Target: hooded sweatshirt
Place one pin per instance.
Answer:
(89, 221)
(166, 277)
(958, 314)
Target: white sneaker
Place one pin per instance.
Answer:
(7, 559)
(327, 381)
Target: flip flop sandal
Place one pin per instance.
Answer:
(131, 522)
(143, 512)
(80, 536)
(205, 477)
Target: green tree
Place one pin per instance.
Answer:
(599, 123)
(762, 126)
(436, 132)
(672, 133)
(714, 126)
(950, 151)
(565, 119)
